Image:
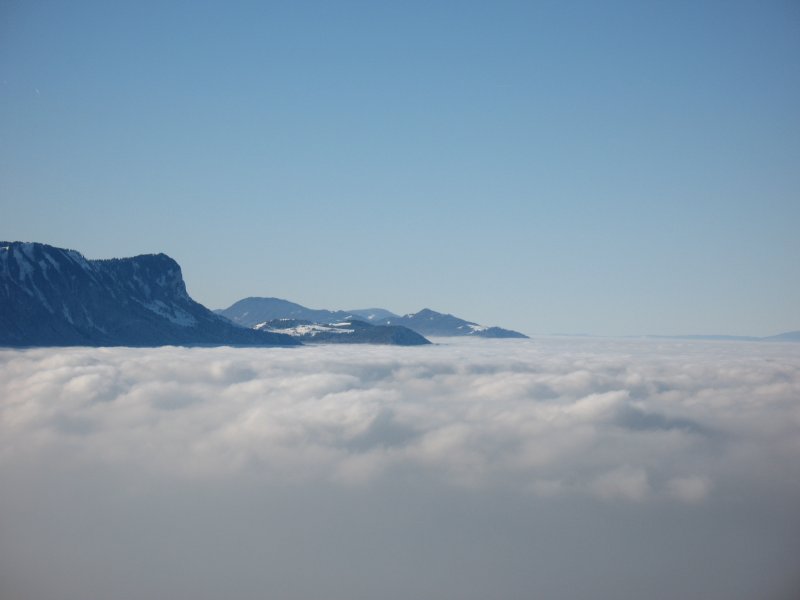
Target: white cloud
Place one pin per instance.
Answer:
(627, 483)
(689, 489)
(547, 426)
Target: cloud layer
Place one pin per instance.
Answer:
(692, 437)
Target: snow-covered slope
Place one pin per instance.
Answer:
(55, 297)
(352, 331)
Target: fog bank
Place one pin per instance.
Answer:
(552, 468)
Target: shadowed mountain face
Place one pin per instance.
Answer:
(430, 322)
(253, 311)
(55, 297)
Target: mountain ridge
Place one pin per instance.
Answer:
(253, 310)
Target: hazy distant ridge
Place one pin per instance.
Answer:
(789, 336)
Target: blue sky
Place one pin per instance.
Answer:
(610, 168)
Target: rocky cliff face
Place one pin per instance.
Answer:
(55, 297)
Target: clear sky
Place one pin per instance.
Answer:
(599, 167)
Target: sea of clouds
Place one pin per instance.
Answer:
(547, 468)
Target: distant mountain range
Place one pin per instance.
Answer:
(352, 331)
(789, 336)
(55, 297)
(253, 312)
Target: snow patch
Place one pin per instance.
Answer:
(25, 267)
(52, 261)
(78, 258)
(45, 267)
(143, 286)
(67, 314)
(305, 330)
(92, 324)
(27, 248)
(174, 314)
(35, 292)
